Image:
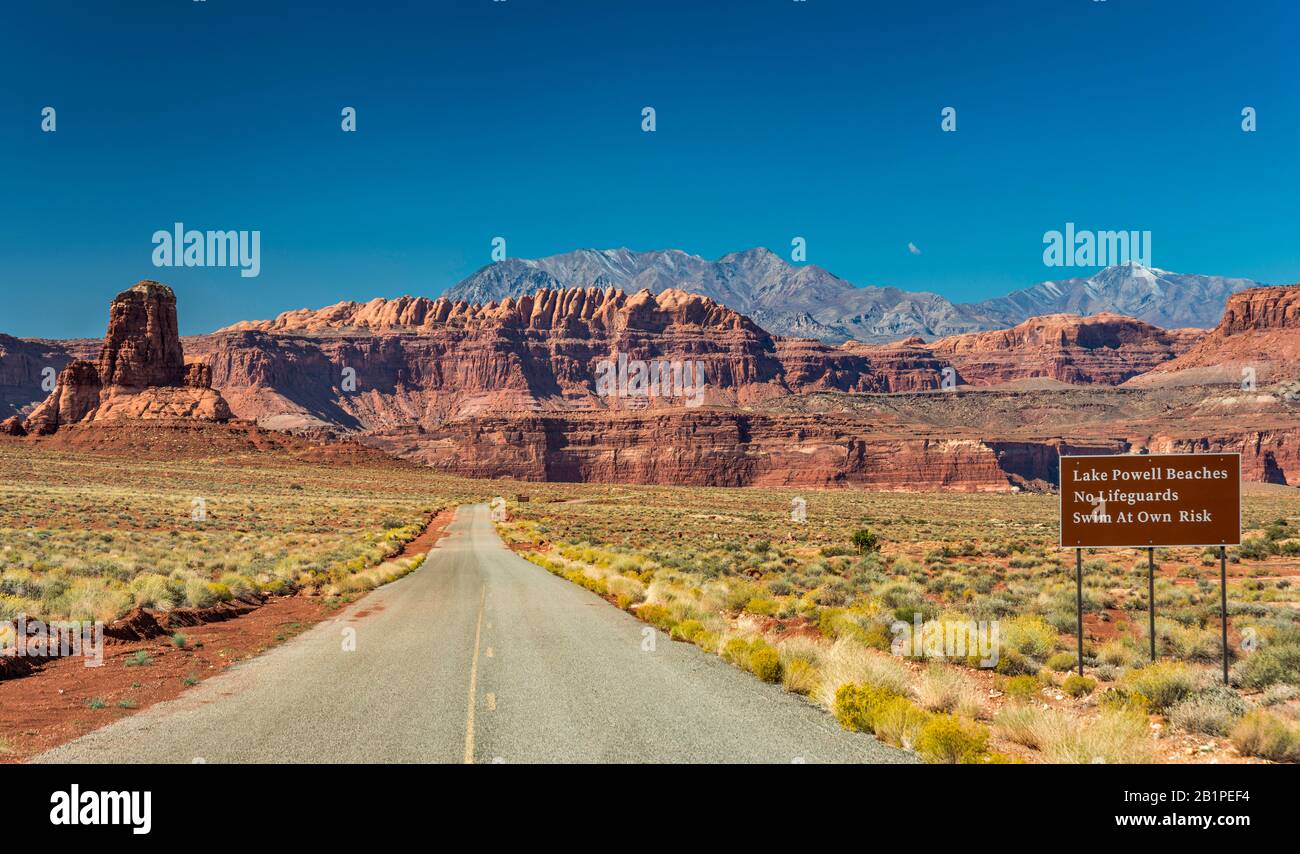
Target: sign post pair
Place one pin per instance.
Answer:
(1146, 501)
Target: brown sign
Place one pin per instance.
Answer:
(1151, 500)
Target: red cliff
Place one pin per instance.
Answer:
(140, 373)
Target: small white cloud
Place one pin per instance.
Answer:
(911, 247)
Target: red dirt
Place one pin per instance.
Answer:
(429, 537)
(52, 704)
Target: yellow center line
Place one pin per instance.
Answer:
(473, 683)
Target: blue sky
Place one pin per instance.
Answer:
(523, 119)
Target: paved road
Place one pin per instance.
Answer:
(480, 656)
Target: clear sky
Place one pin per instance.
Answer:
(522, 119)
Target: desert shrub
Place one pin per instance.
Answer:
(1022, 687)
(801, 677)
(1029, 635)
(686, 630)
(1270, 665)
(950, 740)
(945, 689)
(1256, 548)
(657, 615)
(856, 706)
(1121, 699)
(1267, 735)
(240, 586)
(1113, 737)
(200, 594)
(1023, 723)
(848, 662)
(275, 586)
(1012, 663)
(765, 663)
(1162, 683)
(865, 541)
(1117, 653)
(736, 651)
(1078, 686)
(706, 640)
(1279, 694)
(1108, 672)
(899, 722)
(1189, 643)
(156, 591)
(1062, 662)
(1212, 711)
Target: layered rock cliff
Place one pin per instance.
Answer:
(1103, 348)
(140, 374)
(716, 448)
(1260, 330)
(423, 361)
(514, 389)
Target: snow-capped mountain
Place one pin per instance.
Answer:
(1157, 296)
(803, 301)
(807, 301)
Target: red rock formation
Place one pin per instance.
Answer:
(24, 367)
(423, 361)
(142, 347)
(1104, 348)
(705, 448)
(1260, 330)
(811, 366)
(140, 374)
(12, 426)
(76, 395)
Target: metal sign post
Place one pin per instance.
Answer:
(1223, 606)
(1151, 598)
(1078, 598)
(1141, 501)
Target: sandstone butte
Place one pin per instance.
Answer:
(141, 372)
(509, 390)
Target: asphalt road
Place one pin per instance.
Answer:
(480, 656)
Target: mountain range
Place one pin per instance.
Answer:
(807, 301)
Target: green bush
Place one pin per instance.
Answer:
(1213, 711)
(1012, 663)
(1029, 635)
(856, 706)
(899, 722)
(1270, 665)
(1078, 686)
(1022, 687)
(949, 740)
(1063, 662)
(865, 541)
(1163, 683)
(765, 663)
(706, 640)
(1264, 734)
(801, 677)
(686, 630)
(736, 651)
